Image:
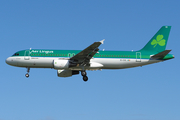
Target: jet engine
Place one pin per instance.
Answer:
(66, 73)
(63, 64)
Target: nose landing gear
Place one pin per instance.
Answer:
(27, 74)
(83, 73)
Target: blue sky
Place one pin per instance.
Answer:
(144, 93)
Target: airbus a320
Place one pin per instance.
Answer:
(73, 62)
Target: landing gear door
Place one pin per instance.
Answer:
(138, 56)
(27, 55)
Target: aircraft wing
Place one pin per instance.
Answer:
(85, 55)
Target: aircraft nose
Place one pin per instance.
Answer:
(11, 61)
(8, 60)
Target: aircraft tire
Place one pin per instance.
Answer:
(85, 78)
(83, 73)
(27, 75)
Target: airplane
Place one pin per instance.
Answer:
(72, 62)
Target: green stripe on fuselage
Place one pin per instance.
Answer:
(100, 54)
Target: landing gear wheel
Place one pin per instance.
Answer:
(83, 73)
(85, 78)
(27, 75)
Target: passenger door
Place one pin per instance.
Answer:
(138, 56)
(27, 55)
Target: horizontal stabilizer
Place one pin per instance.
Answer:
(161, 54)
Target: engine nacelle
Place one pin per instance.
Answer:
(63, 64)
(66, 73)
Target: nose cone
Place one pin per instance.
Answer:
(11, 61)
(8, 61)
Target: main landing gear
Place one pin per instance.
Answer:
(27, 74)
(83, 73)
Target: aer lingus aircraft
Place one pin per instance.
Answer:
(72, 62)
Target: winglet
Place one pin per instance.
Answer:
(102, 41)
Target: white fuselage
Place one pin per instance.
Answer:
(95, 63)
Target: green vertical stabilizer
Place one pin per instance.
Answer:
(159, 41)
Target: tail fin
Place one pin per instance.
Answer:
(159, 41)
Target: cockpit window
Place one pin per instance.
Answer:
(16, 54)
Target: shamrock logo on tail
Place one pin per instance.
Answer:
(159, 40)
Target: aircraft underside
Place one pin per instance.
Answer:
(65, 71)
